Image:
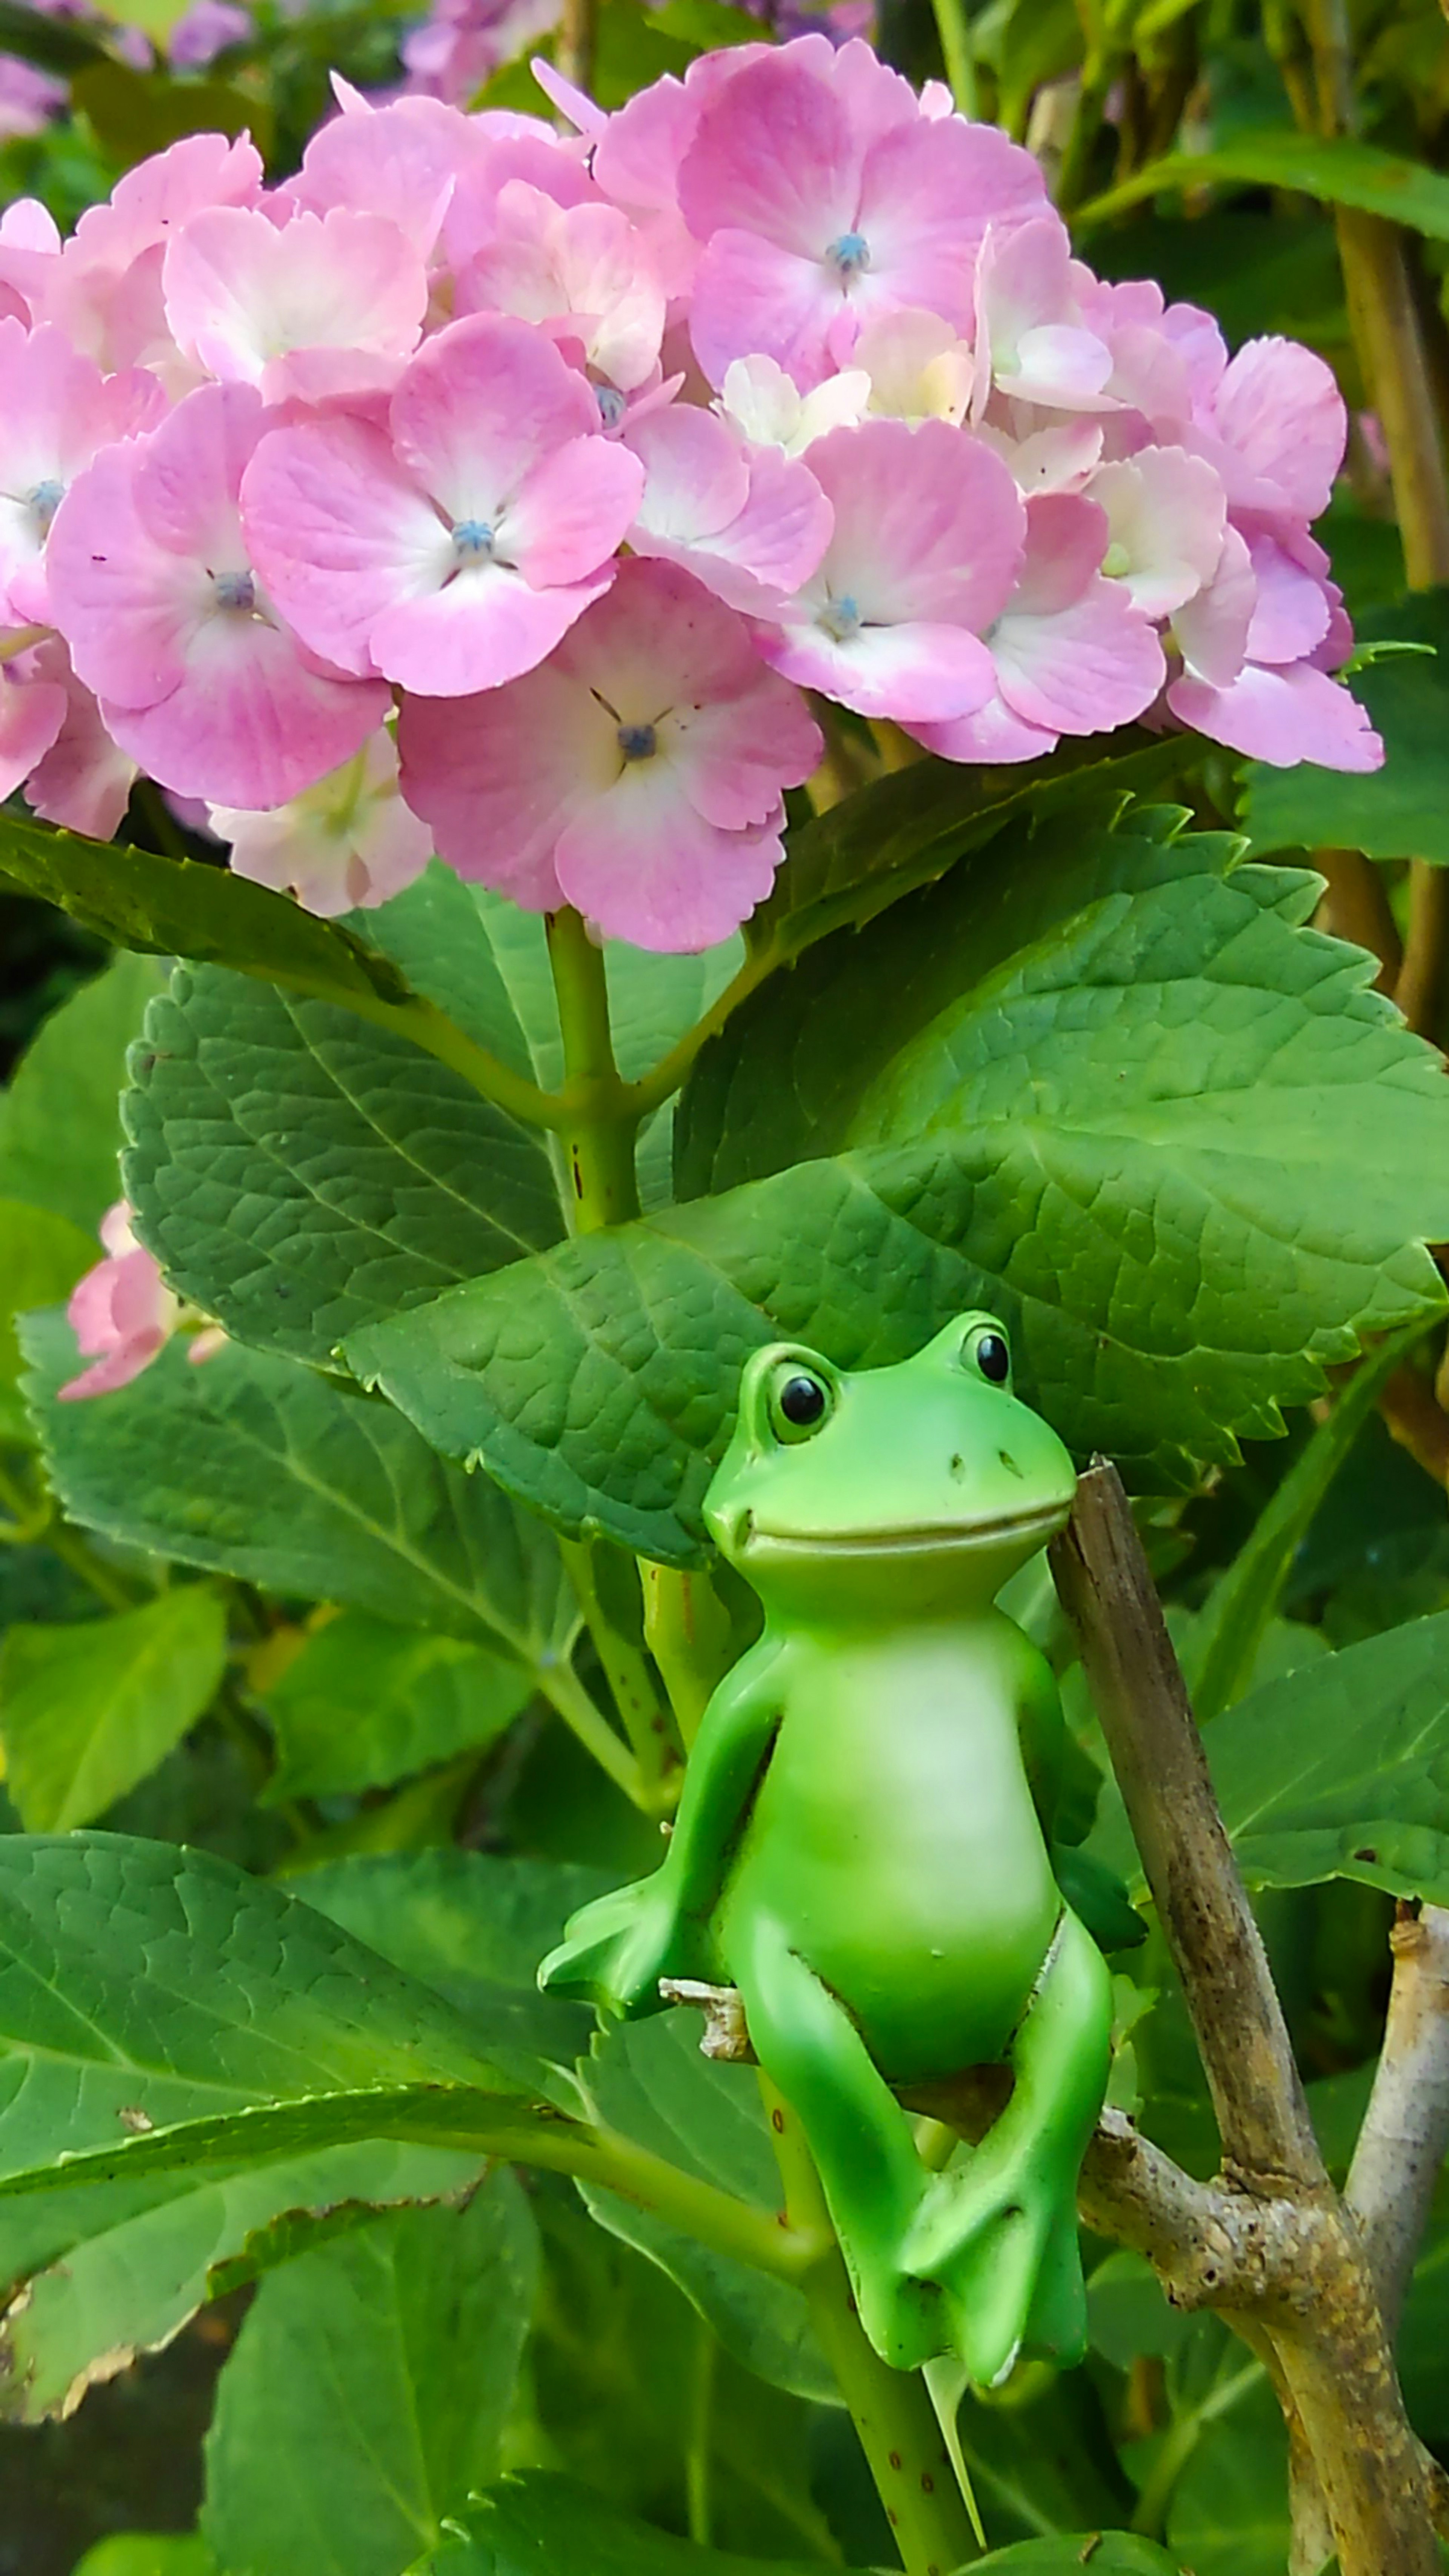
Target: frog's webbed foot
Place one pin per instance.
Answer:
(997, 2242)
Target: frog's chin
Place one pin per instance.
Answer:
(1021, 1531)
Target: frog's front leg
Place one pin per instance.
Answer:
(998, 2235)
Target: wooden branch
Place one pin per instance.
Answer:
(1358, 2471)
(1405, 2133)
(1108, 1593)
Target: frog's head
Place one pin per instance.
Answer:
(924, 1483)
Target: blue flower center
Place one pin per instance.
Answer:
(637, 742)
(612, 405)
(848, 256)
(473, 541)
(43, 503)
(235, 590)
(840, 619)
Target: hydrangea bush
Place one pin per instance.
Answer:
(657, 701)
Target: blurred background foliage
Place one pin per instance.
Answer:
(1201, 142)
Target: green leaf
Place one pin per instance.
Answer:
(137, 1976)
(298, 1172)
(116, 2268)
(785, 1076)
(1338, 1770)
(534, 2523)
(134, 114)
(60, 1120)
(87, 1711)
(846, 866)
(650, 2081)
(41, 1258)
(260, 1468)
(149, 2553)
(187, 908)
(365, 1704)
(1230, 1629)
(474, 1929)
(1174, 1142)
(368, 2392)
(1339, 173)
(56, 44)
(1229, 2515)
(1400, 811)
(186, 2055)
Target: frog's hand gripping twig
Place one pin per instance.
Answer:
(616, 1950)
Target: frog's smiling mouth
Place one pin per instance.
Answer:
(922, 1538)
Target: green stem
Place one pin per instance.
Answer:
(603, 2158)
(664, 1078)
(891, 2409)
(697, 2453)
(1076, 169)
(626, 1669)
(687, 1629)
(600, 1117)
(432, 1030)
(566, 1694)
(1178, 2445)
(39, 1524)
(954, 31)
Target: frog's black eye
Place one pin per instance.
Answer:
(992, 1357)
(799, 1403)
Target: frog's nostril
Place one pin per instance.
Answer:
(744, 1530)
(958, 1465)
(1009, 1462)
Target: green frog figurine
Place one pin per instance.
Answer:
(862, 1846)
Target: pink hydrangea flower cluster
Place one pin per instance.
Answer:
(523, 493)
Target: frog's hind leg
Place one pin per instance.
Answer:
(998, 2233)
(862, 2141)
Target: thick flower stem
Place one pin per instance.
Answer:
(891, 2409)
(601, 1121)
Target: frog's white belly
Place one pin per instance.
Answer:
(894, 1840)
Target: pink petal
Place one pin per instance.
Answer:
(1166, 514)
(1279, 409)
(928, 193)
(156, 198)
(188, 473)
(571, 510)
(774, 155)
(751, 530)
(249, 723)
(240, 293)
(929, 524)
(992, 734)
(1066, 537)
(1281, 717)
(31, 716)
(127, 607)
(1292, 612)
(118, 1368)
(1211, 630)
(340, 534)
(497, 777)
(644, 866)
(479, 406)
(754, 298)
(915, 672)
(659, 641)
(402, 161)
(83, 781)
(1081, 668)
(486, 628)
(733, 757)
